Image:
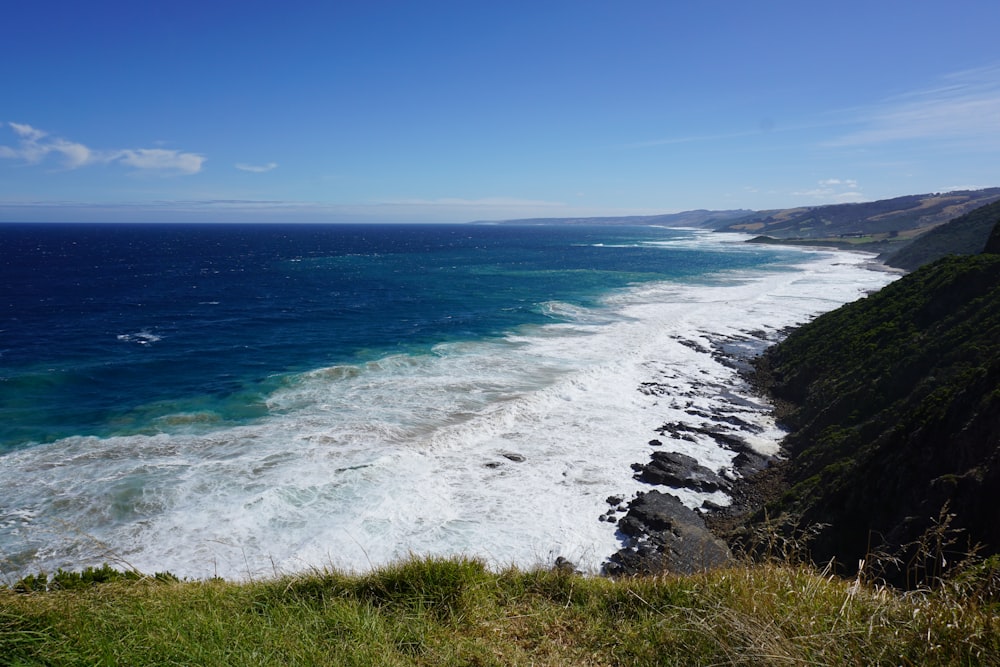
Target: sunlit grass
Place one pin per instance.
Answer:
(457, 612)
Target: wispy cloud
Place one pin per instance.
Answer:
(35, 146)
(256, 169)
(964, 108)
(829, 182)
(835, 190)
(160, 158)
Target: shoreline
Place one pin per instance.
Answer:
(657, 531)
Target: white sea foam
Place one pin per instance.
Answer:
(503, 449)
(144, 337)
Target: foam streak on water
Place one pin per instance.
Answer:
(355, 466)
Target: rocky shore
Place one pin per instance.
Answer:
(659, 533)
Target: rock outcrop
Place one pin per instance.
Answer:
(662, 535)
(680, 471)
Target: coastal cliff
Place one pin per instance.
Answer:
(964, 235)
(893, 406)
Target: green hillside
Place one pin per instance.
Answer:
(965, 235)
(895, 415)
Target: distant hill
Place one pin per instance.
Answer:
(965, 235)
(883, 226)
(899, 218)
(895, 418)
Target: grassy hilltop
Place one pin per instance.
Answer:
(456, 612)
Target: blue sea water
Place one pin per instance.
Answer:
(225, 399)
(110, 328)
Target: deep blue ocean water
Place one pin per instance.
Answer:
(107, 328)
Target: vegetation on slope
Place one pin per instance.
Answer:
(965, 235)
(895, 418)
(456, 612)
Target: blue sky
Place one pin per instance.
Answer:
(469, 110)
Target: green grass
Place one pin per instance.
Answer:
(457, 612)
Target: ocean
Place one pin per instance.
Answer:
(248, 400)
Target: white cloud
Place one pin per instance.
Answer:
(256, 169)
(850, 183)
(833, 190)
(964, 109)
(160, 158)
(27, 132)
(74, 154)
(36, 145)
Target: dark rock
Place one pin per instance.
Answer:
(725, 439)
(653, 389)
(734, 399)
(697, 347)
(655, 443)
(511, 456)
(614, 500)
(709, 506)
(748, 462)
(731, 442)
(663, 535)
(680, 471)
(741, 424)
(677, 431)
(564, 565)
